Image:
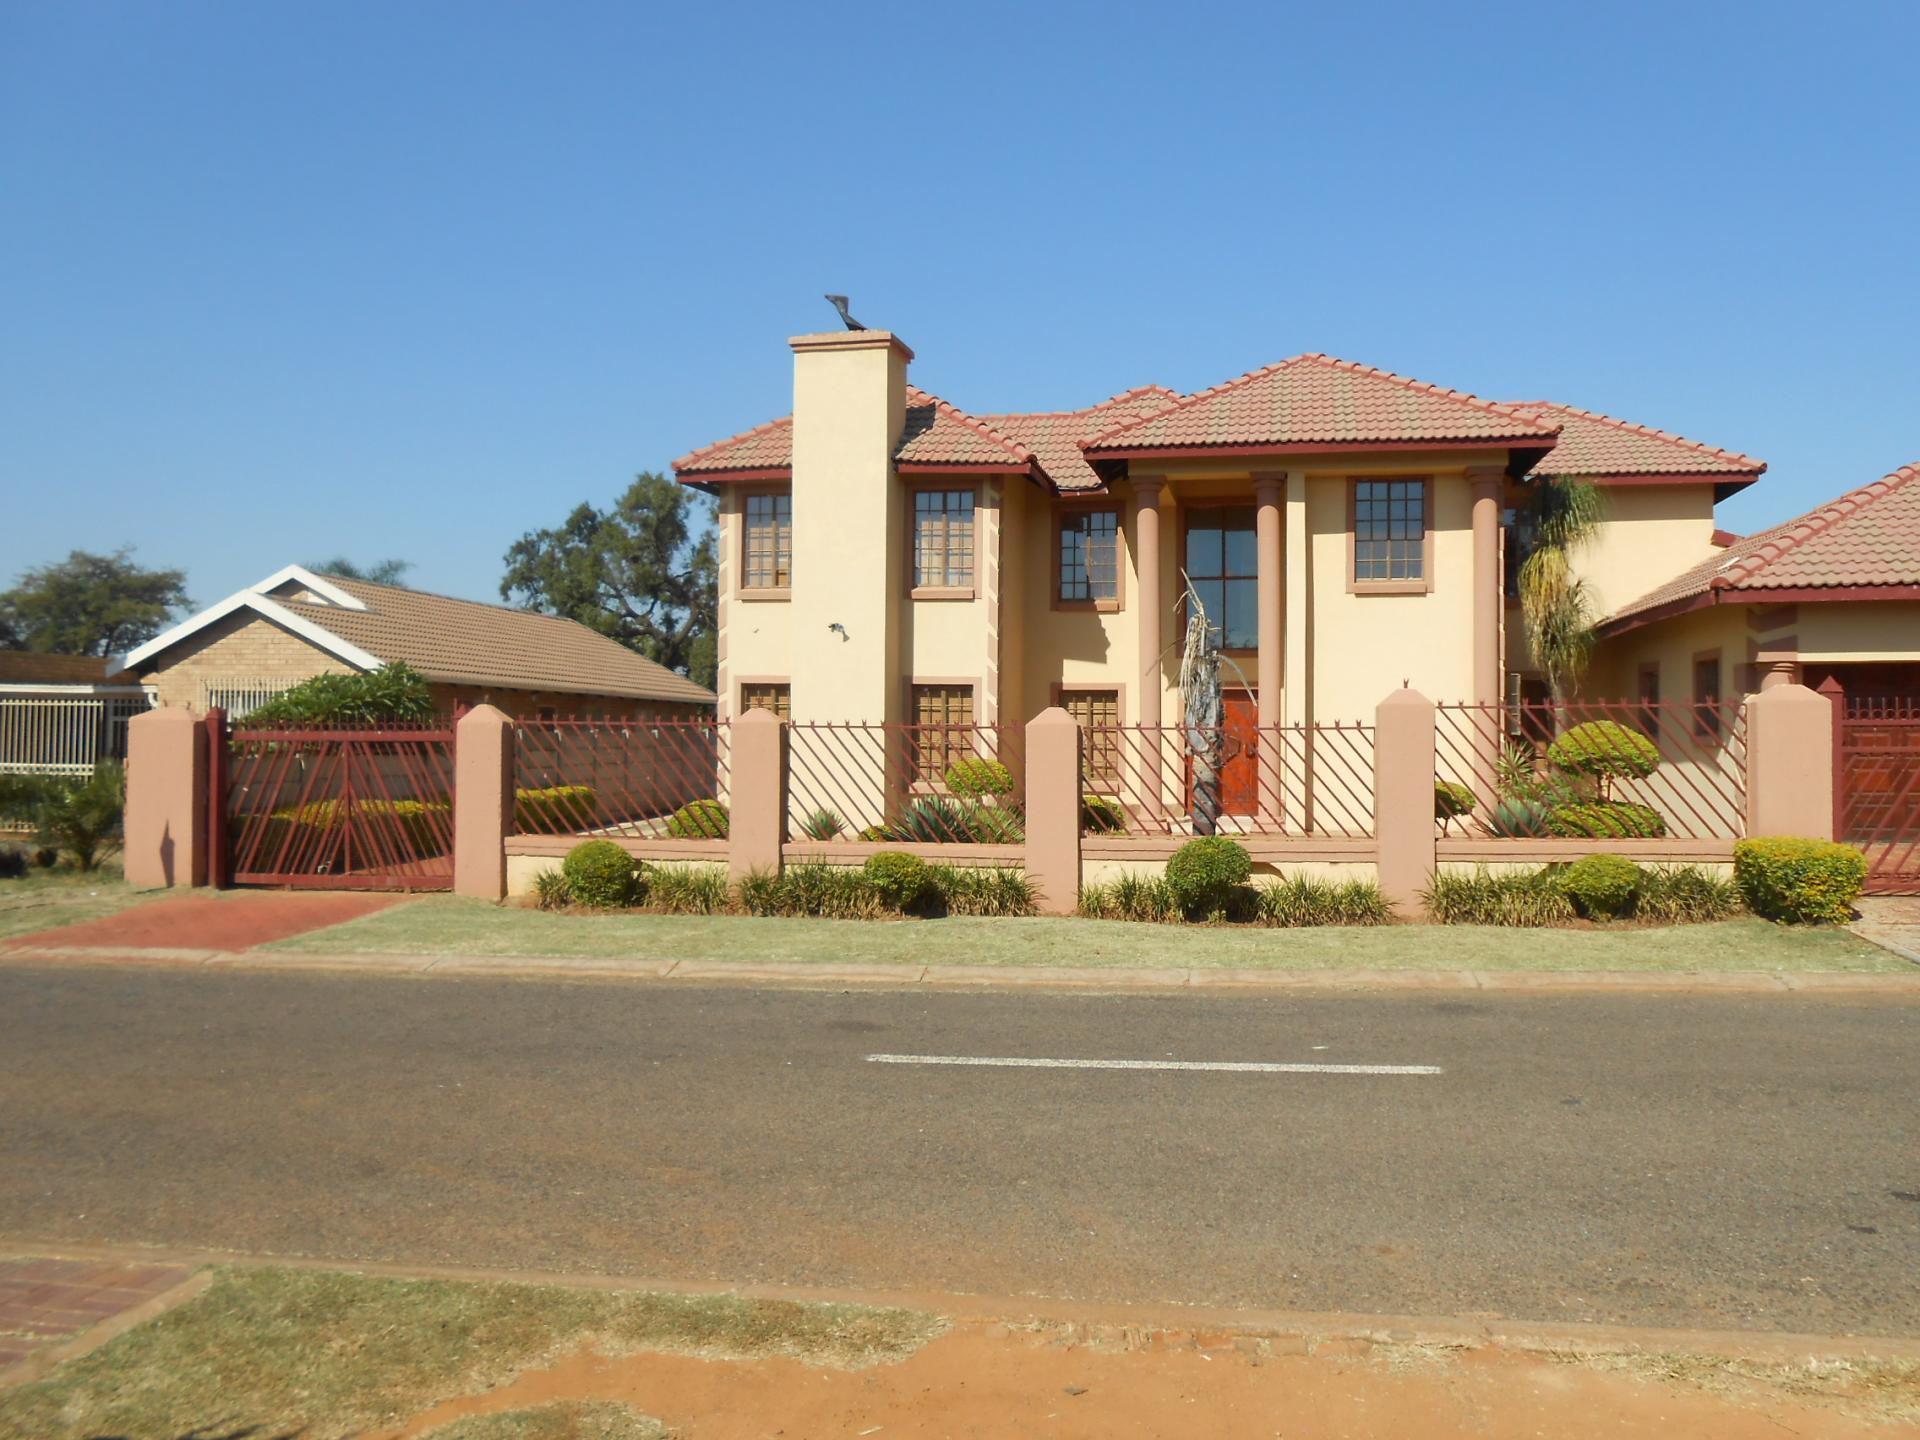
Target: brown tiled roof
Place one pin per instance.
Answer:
(1868, 537)
(765, 447)
(30, 667)
(937, 433)
(1055, 437)
(1593, 444)
(466, 642)
(1317, 399)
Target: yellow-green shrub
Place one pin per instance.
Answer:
(555, 809)
(1784, 877)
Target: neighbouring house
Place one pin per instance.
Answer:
(61, 714)
(295, 624)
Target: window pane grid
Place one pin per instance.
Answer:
(1223, 566)
(769, 549)
(1090, 556)
(1098, 714)
(777, 697)
(943, 538)
(943, 720)
(1389, 530)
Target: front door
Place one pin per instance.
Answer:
(1240, 770)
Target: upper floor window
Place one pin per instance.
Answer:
(1090, 557)
(942, 539)
(1223, 564)
(1390, 533)
(769, 547)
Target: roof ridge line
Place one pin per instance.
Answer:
(1407, 382)
(974, 423)
(1814, 523)
(1194, 399)
(1652, 431)
(454, 599)
(1137, 390)
(692, 457)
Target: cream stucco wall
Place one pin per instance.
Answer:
(1870, 630)
(756, 634)
(1651, 534)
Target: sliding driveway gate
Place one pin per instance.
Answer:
(1876, 785)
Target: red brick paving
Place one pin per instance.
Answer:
(45, 1301)
(235, 921)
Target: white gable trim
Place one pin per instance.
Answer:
(319, 584)
(261, 605)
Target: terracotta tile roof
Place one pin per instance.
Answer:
(1055, 437)
(469, 643)
(937, 433)
(30, 667)
(1869, 536)
(1316, 399)
(1595, 444)
(765, 447)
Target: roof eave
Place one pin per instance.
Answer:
(1254, 449)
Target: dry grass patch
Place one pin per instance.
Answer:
(1883, 1390)
(562, 1420)
(43, 899)
(326, 1354)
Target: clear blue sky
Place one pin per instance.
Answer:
(290, 279)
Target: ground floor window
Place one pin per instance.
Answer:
(1707, 722)
(1098, 714)
(943, 728)
(774, 695)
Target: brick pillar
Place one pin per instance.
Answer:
(166, 820)
(1403, 797)
(757, 782)
(1053, 811)
(482, 802)
(1790, 763)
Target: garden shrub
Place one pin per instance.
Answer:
(555, 809)
(1204, 872)
(822, 825)
(686, 890)
(13, 862)
(392, 692)
(977, 777)
(1604, 750)
(1131, 897)
(599, 874)
(699, 820)
(1520, 898)
(1305, 900)
(898, 878)
(1684, 895)
(1451, 800)
(834, 892)
(551, 890)
(1606, 820)
(1799, 881)
(83, 817)
(1515, 816)
(1102, 815)
(425, 825)
(1601, 886)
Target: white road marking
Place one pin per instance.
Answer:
(1247, 1067)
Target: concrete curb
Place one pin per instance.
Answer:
(827, 975)
(1313, 1326)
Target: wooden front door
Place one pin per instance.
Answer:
(1240, 774)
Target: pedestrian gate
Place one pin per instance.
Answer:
(336, 807)
(1876, 785)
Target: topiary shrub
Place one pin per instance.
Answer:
(1604, 750)
(1204, 873)
(976, 777)
(600, 874)
(1601, 886)
(1102, 815)
(1451, 800)
(1799, 881)
(699, 820)
(898, 878)
(1606, 820)
(1517, 817)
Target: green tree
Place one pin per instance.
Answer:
(645, 572)
(1555, 604)
(381, 572)
(90, 604)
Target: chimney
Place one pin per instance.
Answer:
(849, 525)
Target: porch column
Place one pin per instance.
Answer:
(1488, 600)
(1268, 495)
(1146, 560)
(1296, 577)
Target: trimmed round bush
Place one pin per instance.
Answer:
(1604, 749)
(899, 879)
(699, 820)
(599, 873)
(1799, 881)
(1102, 815)
(1606, 820)
(1204, 873)
(1451, 799)
(975, 777)
(1601, 886)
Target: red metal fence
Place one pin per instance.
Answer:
(1876, 788)
(343, 807)
(1306, 780)
(1615, 769)
(638, 778)
(930, 784)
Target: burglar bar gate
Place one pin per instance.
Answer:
(1876, 785)
(336, 807)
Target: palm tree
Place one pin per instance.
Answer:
(1555, 603)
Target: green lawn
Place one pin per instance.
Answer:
(321, 1354)
(447, 926)
(42, 899)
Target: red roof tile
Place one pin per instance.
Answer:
(1317, 399)
(1868, 537)
(1055, 436)
(765, 447)
(937, 433)
(1595, 444)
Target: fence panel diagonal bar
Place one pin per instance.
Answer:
(636, 778)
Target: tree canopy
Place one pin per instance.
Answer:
(390, 571)
(645, 572)
(90, 604)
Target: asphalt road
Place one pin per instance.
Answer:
(1665, 1160)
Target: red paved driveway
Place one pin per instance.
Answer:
(44, 1301)
(229, 921)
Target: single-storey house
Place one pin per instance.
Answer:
(295, 624)
(60, 714)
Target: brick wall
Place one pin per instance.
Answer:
(242, 646)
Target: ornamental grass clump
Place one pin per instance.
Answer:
(1204, 873)
(1602, 887)
(1799, 881)
(600, 875)
(1300, 900)
(1131, 897)
(687, 890)
(1527, 898)
(1684, 895)
(996, 890)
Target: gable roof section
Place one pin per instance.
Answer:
(941, 436)
(764, 452)
(1600, 447)
(1055, 436)
(1315, 400)
(36, 667)
(461, 642)
(1867, 540)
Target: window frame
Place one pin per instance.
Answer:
(746, 590)
(1063, 513)
(1422, 586)
(763, 682)
(921, 779)
(1100, 778)
(1187, 512)
(1646, 694)
(1709, 726)
(917, 591)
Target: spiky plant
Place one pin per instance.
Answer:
(1555, 603)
